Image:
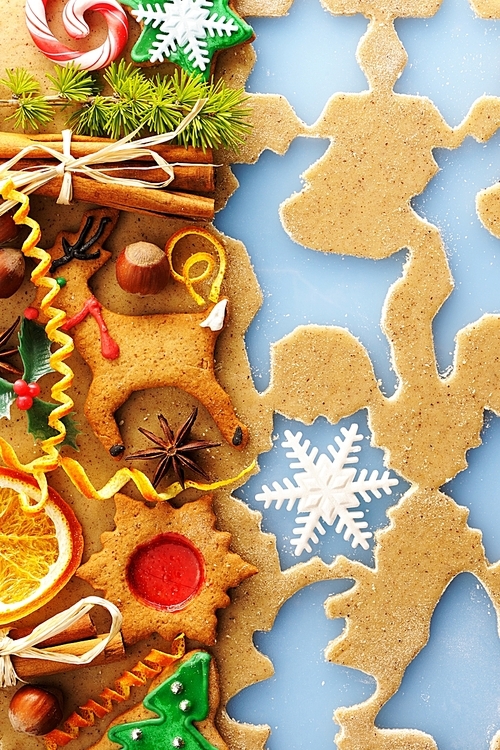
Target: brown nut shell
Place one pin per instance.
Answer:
(35, 710)
(142, 268)
(12, 267)
(8, 228)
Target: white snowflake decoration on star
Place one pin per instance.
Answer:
(185, 24)
(326, 490)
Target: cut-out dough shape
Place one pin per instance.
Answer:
(357, 196)
(380, 159)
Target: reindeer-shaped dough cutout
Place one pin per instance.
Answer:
(129, 353)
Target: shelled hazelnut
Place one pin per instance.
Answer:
(142, 268)
(35, 710)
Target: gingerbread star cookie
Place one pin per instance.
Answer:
(167, 569)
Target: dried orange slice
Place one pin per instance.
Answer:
(39, 552)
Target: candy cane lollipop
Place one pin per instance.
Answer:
(77, 28)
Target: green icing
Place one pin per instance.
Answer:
(178, 701)
(186, 32)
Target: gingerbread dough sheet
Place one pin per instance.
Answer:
(353, 248)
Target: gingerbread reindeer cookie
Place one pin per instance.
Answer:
(129, 353)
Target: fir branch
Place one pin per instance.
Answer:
(91, 119)
(129, 107)
(156, 105)
(164, 113)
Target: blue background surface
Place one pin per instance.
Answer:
(452, 690)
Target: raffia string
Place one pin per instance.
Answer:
(29, 180)
(26, 647)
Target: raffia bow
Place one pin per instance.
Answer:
(29, 180)
(26, 647)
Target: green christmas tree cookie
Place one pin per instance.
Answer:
(178, 701)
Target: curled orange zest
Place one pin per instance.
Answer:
(143, 671)
(188, 280)
(77, 474)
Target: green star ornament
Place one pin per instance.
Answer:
(186, 32)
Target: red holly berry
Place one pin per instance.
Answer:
(21, 388)
(24, 402)
(31, 313)
(33, 389)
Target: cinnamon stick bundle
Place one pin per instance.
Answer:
(76, 639)
(154, 201)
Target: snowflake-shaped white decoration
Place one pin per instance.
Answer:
(185, 24)
(326, 490)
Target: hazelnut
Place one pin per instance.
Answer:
(8, 228)
(142, 268)
(35, 710)
(11, 271)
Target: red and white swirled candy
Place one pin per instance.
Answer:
(77, 28)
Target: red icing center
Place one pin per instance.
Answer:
(166, 572)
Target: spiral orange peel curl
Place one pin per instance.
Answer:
(40, 466)
(201, 257)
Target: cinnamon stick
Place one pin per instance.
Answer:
(190, 178)
(81, 629)
(12, 143)
(138, 200)
(27, 669)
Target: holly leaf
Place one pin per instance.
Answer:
(38, 423)
(7, 398)
(34, 348)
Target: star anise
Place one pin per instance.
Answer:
(172, 450)
(4, 337)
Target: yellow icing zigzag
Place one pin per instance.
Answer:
(39, 467)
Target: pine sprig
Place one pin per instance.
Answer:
(72, 84)
(154, 105)
(20, 82)
(31, 112)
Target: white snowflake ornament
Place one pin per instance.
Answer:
(186, 32)
(326, 491)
